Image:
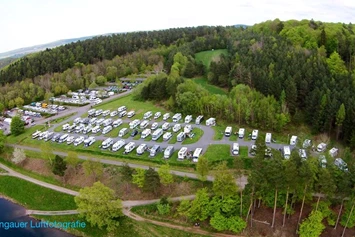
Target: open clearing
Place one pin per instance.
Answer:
(206, 57)
(212, 89)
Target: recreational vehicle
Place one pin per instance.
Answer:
(187, 129)
(176, 127)
(89, 141)
(71, 128)
(56, 137)
(322, 161)
(144, 124)
(177, 117)
(154, 150)
(168, 152)
(91, 112)
(188, 119)
(157, 134)
(307, 143)
(181, 136)
(166, 116)
(42, 135)
(129, 147)
(79, 128)
(123, 132)
(134, 123)
(147, 115)
(106, 143)
(63, 138)
(105, 113)
(199, 119)
(98, 112)
(254, 134)
(165, 126)
(70, 140)
(211, 122)
(333, 152)
(99, 121)
(48, 136)
(107, 129)
(167, 136)
(85, 121)
(235, 149)
(141, 149)
(241, 133)
(268, 138)
(122, 108)
(87, 129)
(79, 140)
(117, 123)
(36, 134)
(65, 126)
(286, 152)
(96, 129)
(157, 115)
(107, 122)
(293, 140)
(341, 164)
(321, 147)
(113, 113)
(182, 153)
(154, 126)
(118, 145)
(146, 132)
(122, 113)
(93, 121)
(228, 131)
(77, 120)
(197, 154)
(302, 153)
(130, 114)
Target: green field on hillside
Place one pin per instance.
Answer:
(206, 57)
(211, 88)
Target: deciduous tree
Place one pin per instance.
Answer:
(93, 168)
(151, 181)
(166, 178)
(17, 126)
(202, 168)
(18, 155)
(139, 177)
(59, 166)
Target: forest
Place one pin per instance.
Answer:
(276, 72)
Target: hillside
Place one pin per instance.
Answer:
(6, 61)
(206, 57)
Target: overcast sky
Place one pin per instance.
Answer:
(30, 22)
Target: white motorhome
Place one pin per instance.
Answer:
(65, 126)
(235, 149)
(91, 112)
(168, 152)
(154, 150)
(107, 129)
(321, 147)
(181, 136)
(96, 129)
(302, 153)
(333, 152)
(197, 154)
(48, 136)
(157, 134)
(63, 138)
(322, 161)
(211, 122)
(87, 129)
(141, 149)
(70, 139)
(182, 153)
(254, 134)
(154, 126)
(177, 117)
(123, 132)
(79, 128)
(41, 135)
(36, 134)
(134, 123)
(165, 126)
(146, 132)
(241, 133)
(187, 129)
(107, 122)
(122, 113)
(129, 147)
(341, 164)
(93, 121)
(71, 128)
(166, 116)
(177, 127)
(89, 141)
(130, 114)
(99, 121)
(188, 119)
(77, 120)
(147, 115)
(106, 112)
(167, 136)
(113, 113)
(144, 124)
(293, 140)
(118, 145)
(122, 108)
(199, 119)
(98, 112)
(307, 143)
(79, 140)
(286, 152)
(268, 138)
(106, 143)
(157, 115)
(117, 123)
(228, 131)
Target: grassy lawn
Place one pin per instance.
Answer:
(218, 152)
(243, 151)
(173, 139)
(27, 134)
(218, 131)
(35, 197)
(233, 137)
(59, 120)
(198, 134)
(211, 88)
(206, 57)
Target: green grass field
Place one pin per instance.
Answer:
(210, 88)
(59, 120)
(218, 152)
(27, 134)
(35, 197)
(198, 134)
(206, 57)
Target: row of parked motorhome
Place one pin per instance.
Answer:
(63, 138)
(120, 112)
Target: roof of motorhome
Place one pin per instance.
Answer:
(183, 149)
(287, 150)
(197, 152)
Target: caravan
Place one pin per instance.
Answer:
(165, 126)
(98, 112)
(341, 164)
(254, 134)
(118, 145)
(141, 149)
(302, 153)
(117, 123)
(154, 150)
(99, 121)
(168, 152)
(79, 140)
(147, 115)
(188, 119)
(177, 127)
(130, 114)
(65, 126)
(122, 113)
(157, 115)
(96, 129)
(36, 134)
(321, 147)
(228, 131)
(89, 141)
(70, 140)
(79, 128)
(197, 154)
(157, 134)
(91, 112)
(286, 152)
(293, 140)
(113, 113)
(107, 122)
(107, 129)
(134, 123)
(235, 149)
(93, 121)
(129, 147)
(167, 136)
(55, 137)
(122, 108)
(166, 116)
(177, 117)
(199, 119)
(63, 138)
(333, 152)
(241, 133)
(123, 132)
(188, 129)
(182, 153)
(144, 124)
(211, 122)
(322, 161)
(87, 129)
(154, 126)
(146, 132)
(268, 138)
(180, 137)
(107, 143)
(105, 113)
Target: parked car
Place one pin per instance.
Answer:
(134, 133)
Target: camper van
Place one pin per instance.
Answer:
(302, 153)
(89, 141)
(96, 129)
(165, 126)
(79, 140)
(113, 113)
(199, 119)
(70, 140)
(211, 122)
(187, 129)
(167, 136)
(154, 150)
(341, 164)
(42, 135)
(322, 161)
(107, 122)
(71, 128)
(134, 123)
(129, 147)
(117, 123)
(306, 143)
(182, 153)
(235, 149)
(105, 113)
(98, 112)
(63, 138)
(166, 116)
(147, 115)
(333, 152)
(85, 121)
(293, 140)
(188, 119)
(91, 112)
(56, 137)
(79, 128)
(36, 134)
(87, 129)
(107, 129)
(157, 134)
(157, 115)
(268, 138)
(321, 147)
(93, 121)
(144, 124)
(99, 121)
(48, 136)
(123, 132)
(146, 132)
(77, 120)
(228, 131)
(177, 127)
(107, 143)
(141, 149)
(196, 155)
(254, 134)
(286, 151)
(122, 108)
(122, 113)
(65, 126)
(241, 133)
(180, 137)
(168, 152)
(154, 126)
(130, 114)
(118, 145)
(177, 117)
